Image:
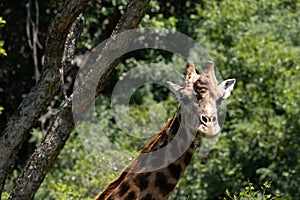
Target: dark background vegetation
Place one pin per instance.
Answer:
(256, 42)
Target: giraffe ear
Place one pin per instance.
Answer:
(175, 89)
(226, 87)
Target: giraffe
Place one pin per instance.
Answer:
(176, 142)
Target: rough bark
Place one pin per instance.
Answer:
(129, 20)
(70, 46)
(44, 156)
(35, 103)
(56, 136)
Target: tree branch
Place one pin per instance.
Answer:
(44, 156)
(42, 93)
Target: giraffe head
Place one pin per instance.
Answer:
(200, 98)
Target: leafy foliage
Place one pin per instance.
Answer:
(256, 42)
(250, 193)
(2, 50)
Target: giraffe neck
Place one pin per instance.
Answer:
(159, 166)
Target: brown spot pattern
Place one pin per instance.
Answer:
(130, 196)
(142, 181)
(162, 184)
(175, 170)
(124, 187)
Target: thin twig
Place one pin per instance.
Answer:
(28, 22)
(33, 39)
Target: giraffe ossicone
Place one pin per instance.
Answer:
(177, 141)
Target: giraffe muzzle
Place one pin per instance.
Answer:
(209, 125)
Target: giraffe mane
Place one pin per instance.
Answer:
(153, 142)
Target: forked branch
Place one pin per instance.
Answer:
(58, 133)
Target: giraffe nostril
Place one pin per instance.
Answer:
(204, 119)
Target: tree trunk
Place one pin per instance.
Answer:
(36, 102)
(56, 136)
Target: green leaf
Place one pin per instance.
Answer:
(2, 21)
